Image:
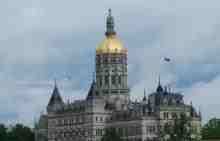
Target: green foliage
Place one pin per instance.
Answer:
(16, 133)
(179, 130)
(3, 132)
(111, 135)
(211, 130)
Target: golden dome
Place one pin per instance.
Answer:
(111, 44)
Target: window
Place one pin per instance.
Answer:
(119, 80)
(166, 115)
(106, 80)
(174, 115)
(113, 80)
(100, 81)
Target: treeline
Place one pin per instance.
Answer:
(17, 132)
(211, 130)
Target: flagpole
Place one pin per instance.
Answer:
(168, 61)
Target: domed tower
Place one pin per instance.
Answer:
(111, 65)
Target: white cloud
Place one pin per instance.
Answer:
(40, 40)
(205, 95)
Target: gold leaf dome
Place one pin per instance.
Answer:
(111, 44)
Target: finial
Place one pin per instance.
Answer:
(110, 24)
(109, 12)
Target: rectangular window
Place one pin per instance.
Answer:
(119, 80)
(106, 80)
(113, 80)
(100, 81)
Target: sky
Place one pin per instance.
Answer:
(43, 40)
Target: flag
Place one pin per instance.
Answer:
(167, 59)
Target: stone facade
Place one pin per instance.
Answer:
(108, 104)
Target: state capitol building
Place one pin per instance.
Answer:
(108, 103)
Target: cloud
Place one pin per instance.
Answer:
(205, 95)
(25, 100)
(42, 40)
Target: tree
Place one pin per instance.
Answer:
(211, 130)
(16, 133)
(3, 132)
(179, 130)
(20, 133)
(111, 135)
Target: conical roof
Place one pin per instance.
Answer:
(159, 87)
(91, 92)
(55, 98)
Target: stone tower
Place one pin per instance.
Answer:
(111, 67)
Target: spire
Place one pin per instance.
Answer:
(91, 93)
(110, 24)
(145, 98)
(159, 88)
(55, 98)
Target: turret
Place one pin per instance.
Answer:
(159, 87)
(56, 102)
(92, 93)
